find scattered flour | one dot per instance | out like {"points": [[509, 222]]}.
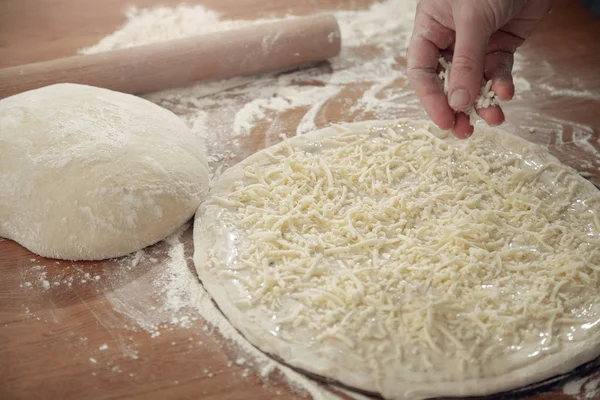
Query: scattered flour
{"points": [[569, 92], [583, 388], [521, 84], [46, 278], [591, 388], [224, 112], [373, 25], [240, 361], [181, 299], [366, 81]]}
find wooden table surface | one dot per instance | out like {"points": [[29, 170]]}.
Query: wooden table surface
{"points": [[51, 339]]}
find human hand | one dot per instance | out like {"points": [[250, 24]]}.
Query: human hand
{"points": [[480, 37]]}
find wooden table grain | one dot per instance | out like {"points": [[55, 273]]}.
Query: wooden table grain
{"points": [[68, 341]]}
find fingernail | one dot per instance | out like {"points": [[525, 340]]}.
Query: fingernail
{"points": [[460, 99], [463, 135]]}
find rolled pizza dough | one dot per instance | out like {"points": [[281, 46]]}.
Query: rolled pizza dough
{"points": [[87, 173], [392, 258]]}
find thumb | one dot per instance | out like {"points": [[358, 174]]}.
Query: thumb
{"points": [[468, 61]]}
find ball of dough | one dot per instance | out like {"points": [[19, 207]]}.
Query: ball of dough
{"points": [[88, 173]]}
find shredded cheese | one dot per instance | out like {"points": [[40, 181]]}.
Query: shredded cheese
{"points": [[416, 246], [487, 97]]}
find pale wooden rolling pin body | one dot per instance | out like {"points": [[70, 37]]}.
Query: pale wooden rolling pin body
{"points": [[149, 68]]}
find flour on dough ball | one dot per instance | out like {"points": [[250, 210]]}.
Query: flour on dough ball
{"points": [[88, 173]]}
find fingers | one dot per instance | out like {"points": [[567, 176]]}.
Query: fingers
{"points": [[498, 68], [422, 74], [468, 59], [466, 30], [499, 62], [494, 115], [423, 53], [462, 127], [475, 54]]}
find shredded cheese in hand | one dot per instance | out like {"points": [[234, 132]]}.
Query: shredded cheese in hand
{"points": [[487, 97], [423, 250]]}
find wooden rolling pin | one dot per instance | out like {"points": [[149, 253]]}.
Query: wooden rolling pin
{"points": [[143, 69]]}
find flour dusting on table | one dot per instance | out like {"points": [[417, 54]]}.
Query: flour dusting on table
{"points": [[367, 81], [180, 300], [583, 388], [374, 41]]}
